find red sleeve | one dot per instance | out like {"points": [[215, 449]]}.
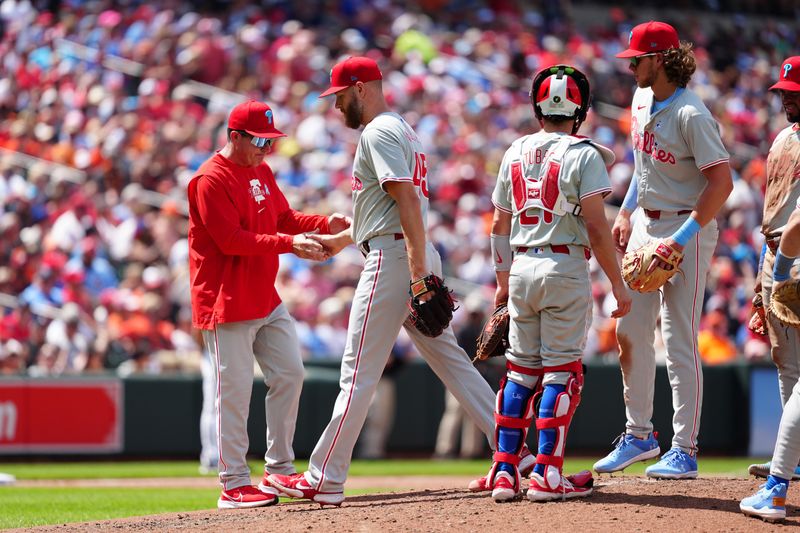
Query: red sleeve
{"points": [[219, 215], [294, 222]]}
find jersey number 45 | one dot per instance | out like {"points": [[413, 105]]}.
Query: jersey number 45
{"points": [[421, 173]]}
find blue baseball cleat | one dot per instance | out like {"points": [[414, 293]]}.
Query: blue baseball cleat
{"points": [[627, 450], [675, 464], [767, 504], [762, 470]]}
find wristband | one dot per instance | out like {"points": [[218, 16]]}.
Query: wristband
{"points": [[501, 252], [632, 196], [761, 258], [686, 232], [782, 268]]}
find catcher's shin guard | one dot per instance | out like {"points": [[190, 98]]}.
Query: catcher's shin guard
{"points": [[554, 420], [513, 416]]}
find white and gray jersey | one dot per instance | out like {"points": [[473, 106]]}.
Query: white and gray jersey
{"points": [[389, 150], [783, 181], [671, 148], [583, 174]]}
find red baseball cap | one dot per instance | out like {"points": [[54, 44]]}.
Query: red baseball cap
{"points": [[346, 73], [789, 77], [254, 118], [651, 37]]}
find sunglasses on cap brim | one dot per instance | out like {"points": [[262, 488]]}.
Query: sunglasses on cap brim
{"points": [[635, 59]]}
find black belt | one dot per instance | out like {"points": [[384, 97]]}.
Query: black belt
{"points": [[655, 214], [364, 246]]}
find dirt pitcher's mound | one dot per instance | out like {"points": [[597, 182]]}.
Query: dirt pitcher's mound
{"points": [[618, 504]]}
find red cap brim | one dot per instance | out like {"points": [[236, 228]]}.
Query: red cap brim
{"points": [[332, 90], [631, 53], [274, 134], [786, 85]]}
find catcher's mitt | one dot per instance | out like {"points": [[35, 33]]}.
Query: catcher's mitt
{"points": [[493, 340], [758, 319], [431, 317], [641, 269], [785, 302]]}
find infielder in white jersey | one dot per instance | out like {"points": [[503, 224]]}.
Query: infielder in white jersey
{"points": [[548, 211], [680, 181], [390, 197], [783, 225], [781, 195]]}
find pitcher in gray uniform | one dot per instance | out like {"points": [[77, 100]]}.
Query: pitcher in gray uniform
{"points": [[781, 195], [680, 181], [548, 211], [390, 197]]}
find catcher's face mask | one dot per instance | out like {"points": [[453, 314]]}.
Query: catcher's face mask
{"points": [[561, 91]]}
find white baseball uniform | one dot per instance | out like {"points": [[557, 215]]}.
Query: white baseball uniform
{"points": [[549, 290], [782, 194], [388, 150], [671, 149]]}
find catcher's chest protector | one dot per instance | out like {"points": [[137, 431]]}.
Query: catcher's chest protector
{"points": [[543, 191]]}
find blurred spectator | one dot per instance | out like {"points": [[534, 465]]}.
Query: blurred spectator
{"points": [[713, 342], [125, 144]]}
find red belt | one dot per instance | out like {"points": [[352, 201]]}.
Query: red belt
{"points": [[773, 243], [557, 249], [655, 214], [364, 246]]}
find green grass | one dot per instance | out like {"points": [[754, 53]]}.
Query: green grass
{"points": [[731, 466], [28, 506], [35, 506]]}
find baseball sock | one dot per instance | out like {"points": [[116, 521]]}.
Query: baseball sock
{"points": [[514, 398], [775, 480], [547, 437]]}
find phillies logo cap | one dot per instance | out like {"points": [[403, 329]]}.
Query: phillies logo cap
{"points": [[651, 37], [353, 69], [255, 118], [789, 76]]}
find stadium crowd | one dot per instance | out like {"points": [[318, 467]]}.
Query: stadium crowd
{"points": [[107, 111]]}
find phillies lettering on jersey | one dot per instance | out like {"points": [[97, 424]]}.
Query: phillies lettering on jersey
{"points": [[646, 142], [672, 148]]}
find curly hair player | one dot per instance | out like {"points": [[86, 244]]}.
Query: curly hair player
{"points": [[680, 181]]}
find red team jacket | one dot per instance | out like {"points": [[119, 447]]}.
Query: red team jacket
{"points": [[239, 221]]}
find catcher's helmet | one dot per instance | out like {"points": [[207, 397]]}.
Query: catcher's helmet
{"points": [[561, 91]]}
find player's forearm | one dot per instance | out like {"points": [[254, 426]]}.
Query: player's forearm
{"points": [[414, 232], [714, 196], [603, 248]]}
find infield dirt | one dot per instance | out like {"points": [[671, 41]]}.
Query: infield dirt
{"points": [[442, 504]]}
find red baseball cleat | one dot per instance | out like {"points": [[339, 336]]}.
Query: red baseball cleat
{"points": [[245, 497], [539, 491], [526, 463], [296, 486], [265, 487]]}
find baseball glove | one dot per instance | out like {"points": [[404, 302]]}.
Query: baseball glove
{"points": [[758, 319], [431, 317], [642, 271], [785, 302], [493, 340]]}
